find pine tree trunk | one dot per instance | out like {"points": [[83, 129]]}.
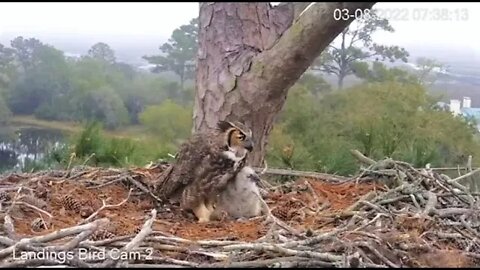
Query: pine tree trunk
{"points": [[341, 77], [250, 54]]}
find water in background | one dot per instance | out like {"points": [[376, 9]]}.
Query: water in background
{"points": [[19, 145]]}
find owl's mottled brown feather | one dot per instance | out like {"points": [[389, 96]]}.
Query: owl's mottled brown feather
{"points": [[202, 170], [191, 157]]}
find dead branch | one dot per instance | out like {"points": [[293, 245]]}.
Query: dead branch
{"points": [[360, 157], [369, 246], [52, 236], [144, 232], [9, 228], [34, 207], [143, 188], [431, 203], [105, 206], [136, 241], [321, 176]]}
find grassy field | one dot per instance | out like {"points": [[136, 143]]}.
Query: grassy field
{"points": [[136, 132]]}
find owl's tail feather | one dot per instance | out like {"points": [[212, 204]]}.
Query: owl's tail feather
{"points": [[164, 185]]}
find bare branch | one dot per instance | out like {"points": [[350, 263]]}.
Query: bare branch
{"points": [[53, 236], [105, 206]]}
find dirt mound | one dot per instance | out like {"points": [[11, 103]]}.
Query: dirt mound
{"points": [[309, 212]]}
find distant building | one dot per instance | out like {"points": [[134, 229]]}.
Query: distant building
{"points": [[464, 108]]}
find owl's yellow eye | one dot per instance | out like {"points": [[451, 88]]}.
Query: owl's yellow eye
{"points": [[241, 137]]}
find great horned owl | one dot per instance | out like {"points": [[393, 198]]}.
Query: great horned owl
{"points": [[241, 198], [204, 165]]}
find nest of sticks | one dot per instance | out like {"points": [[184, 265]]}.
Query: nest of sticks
{"points": [[389, 215]]}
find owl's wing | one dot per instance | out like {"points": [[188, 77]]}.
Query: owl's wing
{"points": [[182, 172]]}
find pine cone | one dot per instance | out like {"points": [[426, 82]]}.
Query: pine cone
{"points": [[38, 225], [69, 203], [4, 196], [101, 235]]}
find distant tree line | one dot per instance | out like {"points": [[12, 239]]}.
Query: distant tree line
{"points": [[388, 114], [38, 79]]}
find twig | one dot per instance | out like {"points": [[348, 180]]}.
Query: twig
{"points": [[285, 251], [447, 212], [367, 197], [9, 228], [360, 157], [143, 188], [89, 157], [472, 173], [291, 261], [107, 183], [105, 206], [378, 254], [53, 236], [35, 208], [317, 175], [270, 216], [144, 232], [77, 239], [315, 196], [431, 203]]}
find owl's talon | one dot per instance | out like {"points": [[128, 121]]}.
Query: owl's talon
{"points": [[203, 220], [202, 213]]}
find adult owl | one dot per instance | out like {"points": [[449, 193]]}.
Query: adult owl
{"points": [[204, 166]]}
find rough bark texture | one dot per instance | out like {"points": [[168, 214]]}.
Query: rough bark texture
{"points": [[250, 54]]}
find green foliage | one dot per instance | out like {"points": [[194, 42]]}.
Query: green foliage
{"points": [[6, 67], [26, 51], [426, 66], [43, 82], [104, 105], [355, 45], [378, 72], [101, 51], [170, 121], [36, 78], [93, 147], [180, 52], [383, 119], [5, 112]]}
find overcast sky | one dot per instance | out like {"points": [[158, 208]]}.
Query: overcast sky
{"points": [[158, 20]]}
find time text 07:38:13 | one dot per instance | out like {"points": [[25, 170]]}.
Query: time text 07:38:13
{"points": [[403, 14]]}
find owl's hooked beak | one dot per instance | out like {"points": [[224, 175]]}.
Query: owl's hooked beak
{"points": [[248, 144]]}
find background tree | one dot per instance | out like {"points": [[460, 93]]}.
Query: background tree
{"points": [[6, 66], [44, 81], [26, 51], [428, 69], [379, 72], [355, 45], [179, 52], [103, 52], [5, 112], [250, 54]]}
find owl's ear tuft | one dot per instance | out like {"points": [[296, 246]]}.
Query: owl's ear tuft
{"points": [[224, 125]]}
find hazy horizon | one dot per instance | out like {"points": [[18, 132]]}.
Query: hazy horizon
{"points": [[140, 28]]}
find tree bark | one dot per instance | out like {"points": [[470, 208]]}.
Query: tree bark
{"points": [[250, 54], [340, 81]]}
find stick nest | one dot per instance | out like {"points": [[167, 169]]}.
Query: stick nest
{"points": [[391, 215]]}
